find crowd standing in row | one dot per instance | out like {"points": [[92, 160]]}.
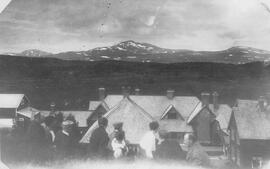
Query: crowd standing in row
{"points": [[57, 138], [154, 145]]}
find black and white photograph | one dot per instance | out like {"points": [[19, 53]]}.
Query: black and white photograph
{"points": [[134, 84]]}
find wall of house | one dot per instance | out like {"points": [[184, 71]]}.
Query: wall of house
{"points": [[23, 121], [253, 148], [7, 112], [99, 112], [178, 136], [201, 126], [134, 124], [234, 146]]}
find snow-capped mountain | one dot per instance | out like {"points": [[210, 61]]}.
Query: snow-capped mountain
{"points": [[34, 53], [144, 52], [139, 48], [30, 53]]}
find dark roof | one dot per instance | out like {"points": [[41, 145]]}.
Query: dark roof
{"points": [[251, 122]]}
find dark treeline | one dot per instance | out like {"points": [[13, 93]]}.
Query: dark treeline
{"points": [[47, 79]]}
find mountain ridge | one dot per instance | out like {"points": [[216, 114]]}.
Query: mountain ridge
{"points": [[144, 52]]}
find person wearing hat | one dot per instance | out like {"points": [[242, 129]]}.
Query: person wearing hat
{"points": [[169, 149], [98, 145], [63, 141]]}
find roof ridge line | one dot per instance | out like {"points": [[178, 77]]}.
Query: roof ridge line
{"points": [[145, 112], [188, 119], [96, 122]]}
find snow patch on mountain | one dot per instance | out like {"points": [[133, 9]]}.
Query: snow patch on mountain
{"points": [[105, 57]]}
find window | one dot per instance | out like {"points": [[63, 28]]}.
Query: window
{"points": [[176, 135], [172, 115], [256, 162]]}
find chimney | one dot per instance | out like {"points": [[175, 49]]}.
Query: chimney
{"points": [[137, 91], [262, 103], [52, 106], [170, 94], [268, 98], [215, 100], [125, 91], [205, 98], [101, 93]]}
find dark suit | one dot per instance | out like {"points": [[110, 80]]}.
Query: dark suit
{"points": [[169, 150], [64, 145], [98, 146], [36, 141]]}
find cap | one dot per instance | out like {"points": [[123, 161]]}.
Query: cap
{"points": [[67, 123]]}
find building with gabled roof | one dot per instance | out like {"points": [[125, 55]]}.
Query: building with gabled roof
{"points": [[154, 105], [80, 116], [172, 112], [175, 114], [210, 121], [11, 103], [169, 110], [249, 129], [136, 120]]}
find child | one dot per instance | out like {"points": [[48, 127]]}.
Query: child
{"points": [[119, 145]]}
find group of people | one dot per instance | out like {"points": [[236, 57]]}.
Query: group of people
{"points": [[154, 145], [52, 137], [56, 137], [161, 147], [104, 146], [43, 139]]}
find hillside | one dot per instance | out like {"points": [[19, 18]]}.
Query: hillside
{"points": [[132, 51], [47, 79]]}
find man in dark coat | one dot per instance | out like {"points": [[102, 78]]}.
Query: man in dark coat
{"points": [[50, 137], [35, 139], [64, 143], [98, 145], [169, 149]]}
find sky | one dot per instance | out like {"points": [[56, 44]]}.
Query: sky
{"points": [[75, 25]]}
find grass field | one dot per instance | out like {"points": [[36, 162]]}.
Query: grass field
{"points": [[113, 165]]}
